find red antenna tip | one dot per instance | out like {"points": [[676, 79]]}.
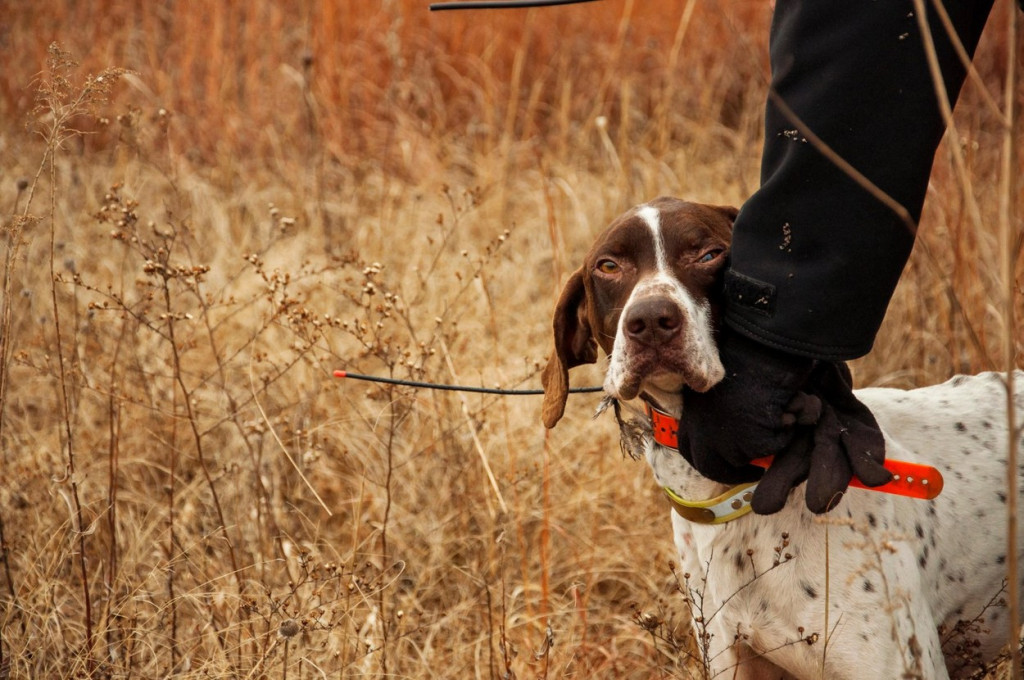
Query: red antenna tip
{"points": [[340, 374]]}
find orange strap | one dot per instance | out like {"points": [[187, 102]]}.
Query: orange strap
{"points": [[908, 479]]}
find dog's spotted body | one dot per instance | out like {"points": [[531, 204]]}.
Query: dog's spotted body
{"points": [[882, 587]]}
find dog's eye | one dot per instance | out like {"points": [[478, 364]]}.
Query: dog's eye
{"points": [[709, 256], [607, 266]]}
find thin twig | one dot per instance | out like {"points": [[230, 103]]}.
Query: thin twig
{"points": [[824, 149], [284, 449], [946, 108], [65, 402], [472, 431], [1007, 192]]}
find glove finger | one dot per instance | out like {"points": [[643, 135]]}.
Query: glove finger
{"points": [[830, 471], [802, 409], [860, 434], [865, 449], [787, 470]]}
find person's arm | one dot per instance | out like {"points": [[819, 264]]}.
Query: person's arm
{"points": [[817, 251], [815, 255]]}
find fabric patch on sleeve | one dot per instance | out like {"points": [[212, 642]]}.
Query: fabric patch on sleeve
{"points": [[743, 291]]}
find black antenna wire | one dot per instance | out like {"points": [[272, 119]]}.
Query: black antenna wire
{"points": [[452, 388], [501, 4]]}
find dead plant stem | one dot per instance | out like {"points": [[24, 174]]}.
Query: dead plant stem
{"points": [[15, 234], [172, 603], [388, 499], [192, 418], [512, 107], [113, 462], [828, 592], [946, 108], [65, 405], [545, 530], [473, 433], [1007, 221], [284, 449]]}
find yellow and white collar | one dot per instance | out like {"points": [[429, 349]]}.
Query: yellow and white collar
{"points": [[731, 505]]}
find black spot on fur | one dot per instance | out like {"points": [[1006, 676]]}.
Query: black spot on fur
{"points": [[809, 589], [919, 529], [960, 427], [872, 520], [1001, 559], [869, 587]]}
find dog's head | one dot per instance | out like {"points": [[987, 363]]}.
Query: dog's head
{"points": [[646, 295]]}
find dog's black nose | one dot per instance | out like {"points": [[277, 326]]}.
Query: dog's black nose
{"points": [[654, 321]]}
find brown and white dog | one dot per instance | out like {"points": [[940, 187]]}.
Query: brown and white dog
{"points": [[884, 586]]}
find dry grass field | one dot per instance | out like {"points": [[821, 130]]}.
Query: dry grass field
{"points": [[208, 208]]}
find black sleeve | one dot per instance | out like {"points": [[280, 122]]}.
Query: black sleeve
{"points": [[816, 256]]}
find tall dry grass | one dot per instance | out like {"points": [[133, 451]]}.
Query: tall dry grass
{"points": [[277, 190]]}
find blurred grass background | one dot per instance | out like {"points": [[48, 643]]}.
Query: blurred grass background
{"points": [[278, 190]]}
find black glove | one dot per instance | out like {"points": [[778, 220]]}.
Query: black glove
{"points": [[846, 441], [748, 414], [800, 410]]}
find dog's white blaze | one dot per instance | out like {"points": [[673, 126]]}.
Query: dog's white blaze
{"points": [[652, 218], [697, 312]]}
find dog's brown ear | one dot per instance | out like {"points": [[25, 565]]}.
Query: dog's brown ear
{"points": [[727, 210], [574, 345]]}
